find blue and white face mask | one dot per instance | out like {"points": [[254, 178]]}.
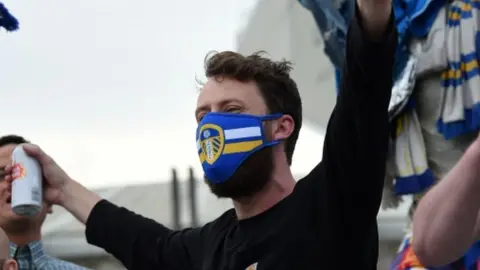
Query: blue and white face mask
{"points": [[226, 140]]}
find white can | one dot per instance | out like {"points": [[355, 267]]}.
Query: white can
{"points": [[27, 184]]}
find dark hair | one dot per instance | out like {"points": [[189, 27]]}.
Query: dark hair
{"points": [[12, 139], [273, 79]]}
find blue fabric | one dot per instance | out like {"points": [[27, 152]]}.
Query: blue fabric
{"points": [[463, 71], [338, 77], [7, 20], [33, 257], [477, 44], [413, 18], [414, 183], [333, 24], [472, 256], [470, 123], [226, 140]]}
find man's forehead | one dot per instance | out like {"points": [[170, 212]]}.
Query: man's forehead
{"points": [[215, 92]]}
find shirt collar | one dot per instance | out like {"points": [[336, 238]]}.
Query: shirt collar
{"points": [[34, 251]]}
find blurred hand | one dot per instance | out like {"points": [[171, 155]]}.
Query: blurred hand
{"points": [[55, 178], [375, 16]]}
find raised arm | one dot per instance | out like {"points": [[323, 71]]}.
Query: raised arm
{"points": [[348, 183], [356, 142], [136, 241], [446, 221]]}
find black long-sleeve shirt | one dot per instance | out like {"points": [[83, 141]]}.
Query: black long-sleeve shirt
{"points": [[329, 220]]}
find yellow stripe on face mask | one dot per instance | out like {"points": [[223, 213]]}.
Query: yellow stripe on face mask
{"points": [[233, 148], [240, 147]]}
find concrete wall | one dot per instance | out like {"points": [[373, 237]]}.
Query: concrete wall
{"points": [[284, 29]]}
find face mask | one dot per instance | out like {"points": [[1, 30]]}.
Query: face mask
{"points": [[225, 140]]}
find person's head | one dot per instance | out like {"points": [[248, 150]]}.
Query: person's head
{"points": [[5, 260], [13, 224], [239, 154]]}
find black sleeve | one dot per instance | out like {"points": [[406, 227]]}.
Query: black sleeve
{"points": [[142, 243], [356, 141]]}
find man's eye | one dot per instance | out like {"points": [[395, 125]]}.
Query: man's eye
{"points": [[233, 110]]}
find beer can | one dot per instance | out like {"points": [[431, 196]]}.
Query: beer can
{"points": [[27, 184]]}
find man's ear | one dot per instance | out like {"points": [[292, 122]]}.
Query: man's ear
{"points": [[283, 127], [10, 264]]}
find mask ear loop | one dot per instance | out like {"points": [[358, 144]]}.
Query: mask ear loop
{"points": [[269, 117]]}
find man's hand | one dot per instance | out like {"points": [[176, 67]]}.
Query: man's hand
{"points": [[58, 187], [55, 178], [375, 15]]}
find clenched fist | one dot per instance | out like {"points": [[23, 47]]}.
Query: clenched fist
{"points": [[55, 178], [375, 15], [58, 187]]}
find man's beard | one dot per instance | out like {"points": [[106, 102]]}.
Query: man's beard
{"points": [[251, 177]]}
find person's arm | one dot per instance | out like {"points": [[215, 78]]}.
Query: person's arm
{"points": [[446, 220], [142, 243], [348, 183], [356, 141], [136, 241], [78, 200]]}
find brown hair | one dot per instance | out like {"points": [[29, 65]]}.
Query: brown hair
{"points": [[279, 91]]}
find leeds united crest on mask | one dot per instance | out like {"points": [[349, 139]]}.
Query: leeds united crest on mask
{"points": [[212, 141]]}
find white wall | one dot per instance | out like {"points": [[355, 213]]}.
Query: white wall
{"points": [[284, 29]]}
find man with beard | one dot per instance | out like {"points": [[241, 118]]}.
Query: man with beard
{"points": [[249, 116], [24, 232]]}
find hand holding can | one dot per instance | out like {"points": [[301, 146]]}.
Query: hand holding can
{"points": [[53, 177], [27, 184]]}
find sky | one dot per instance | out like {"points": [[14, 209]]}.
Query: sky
{"points": [[108, 87]]}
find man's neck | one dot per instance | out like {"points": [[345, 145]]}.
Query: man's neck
{"points": [[275, 191], [25, 238]]}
